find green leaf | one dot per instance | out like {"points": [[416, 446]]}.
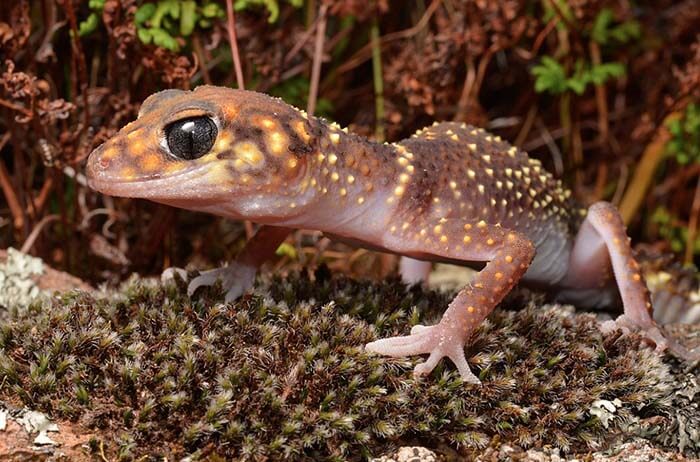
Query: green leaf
{"points": [[89, 25], [601, 73], [188, 17], [144, 13], [549, 76], [286, 250], [599, 33], [162, 39], [144, 35], [212, 10], [97, 5]]}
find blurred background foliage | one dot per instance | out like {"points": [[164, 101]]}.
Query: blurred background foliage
{"points": [[604, 92]]}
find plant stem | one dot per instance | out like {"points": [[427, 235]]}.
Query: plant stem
{"points": [[378, 80], [318, 58], [643, 174], [693, 226], [231, 27]]}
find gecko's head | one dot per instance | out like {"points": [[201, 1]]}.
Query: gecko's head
{"points": [[207, 149]]}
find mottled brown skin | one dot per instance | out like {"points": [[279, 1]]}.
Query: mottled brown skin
{"points": [[450, 193]]}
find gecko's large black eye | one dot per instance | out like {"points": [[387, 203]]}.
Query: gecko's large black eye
{"points": [[191, 138]]}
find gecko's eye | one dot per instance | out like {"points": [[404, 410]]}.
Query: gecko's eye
{"points": [[191, 138]]}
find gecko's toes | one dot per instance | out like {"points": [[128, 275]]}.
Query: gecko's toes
{"points": [[168, 275], [662, 340], [235, 279], [436, 341]]}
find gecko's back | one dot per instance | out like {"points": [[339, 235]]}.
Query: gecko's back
{"points": [[464, 172]]}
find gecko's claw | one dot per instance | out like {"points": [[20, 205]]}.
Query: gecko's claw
{"points": [[236, 279], [437, 341], [653, 332]]}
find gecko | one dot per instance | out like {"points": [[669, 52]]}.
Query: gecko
{"points": [[450, 193]]}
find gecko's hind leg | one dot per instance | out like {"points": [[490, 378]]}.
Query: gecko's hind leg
{"points": [[602, 242], [414, 271]]}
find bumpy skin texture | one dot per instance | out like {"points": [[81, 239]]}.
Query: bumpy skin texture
{"points": [[451, 192]]}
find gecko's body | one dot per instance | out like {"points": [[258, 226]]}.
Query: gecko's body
{"points": [[450, 193]]}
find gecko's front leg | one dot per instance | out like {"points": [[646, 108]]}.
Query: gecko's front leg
{"points": [[238, 276], [508, 255]]}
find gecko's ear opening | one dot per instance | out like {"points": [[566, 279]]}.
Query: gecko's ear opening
{"points": [[191, 138]]}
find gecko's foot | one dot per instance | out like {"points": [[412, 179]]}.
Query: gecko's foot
{"points": [[653, 332], [437, 341], [168, 275], [235, 279]]}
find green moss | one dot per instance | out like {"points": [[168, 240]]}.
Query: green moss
{"points": [[283, 374]]}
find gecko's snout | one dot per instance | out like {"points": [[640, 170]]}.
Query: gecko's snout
{"points": [[96, 166]]}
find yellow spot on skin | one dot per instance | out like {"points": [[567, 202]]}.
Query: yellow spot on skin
{"points": [[364, 169], [343, 191], [292, 163], [489, 171], [150, 163], [267, 123], [481, 188], [455, 137], [498, 275], [390, 200], [410, 168], [403, 161], [335, 176], [360, 200], [109, 153], [332, 159], [335, 138], [467, 239], [437, 229], [509, 259], [636, 277], [300, 130], [481, 224], [471, 309], [532, 192], [248, 155], [423, 232], [453, 184], [128, 173], [518, 194], [486, 157], [276, 142], [405, 225], [499, 184], [472, 146], [399, 190], [351, 179], [471, 173], [443, 238], [512, 151], [467, 227], [320, 157], [490, 241], [392, 229], [403, 178]]}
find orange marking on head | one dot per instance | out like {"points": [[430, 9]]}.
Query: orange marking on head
{"points": [[128, 173], [150, 163]]}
